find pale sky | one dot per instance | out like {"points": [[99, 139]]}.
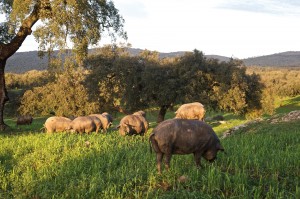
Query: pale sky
{"points": [[233, 28]]}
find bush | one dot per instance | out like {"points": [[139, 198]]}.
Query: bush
{"points": [[66, 96], [27, 80]]}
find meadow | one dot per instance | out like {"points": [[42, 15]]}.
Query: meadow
{"points": [[261, 161]]}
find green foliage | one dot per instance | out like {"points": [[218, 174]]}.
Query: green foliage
{"points": [[4, 38], [116, 81], [17, 84], [160, 83], [267, 101], [145, 81], [114, 78], [195, 80], [80, 22], [65, 96], [219, 85], [233, 89], [27, 80]]}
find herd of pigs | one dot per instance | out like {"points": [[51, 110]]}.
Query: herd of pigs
{"points": [[185, 134]]}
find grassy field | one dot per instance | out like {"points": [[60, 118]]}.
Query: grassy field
{"points": [[262, 161]]}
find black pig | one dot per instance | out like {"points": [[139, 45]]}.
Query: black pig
{"points": [[182, 136]]}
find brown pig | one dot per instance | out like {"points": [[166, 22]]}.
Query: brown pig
{"points": [[83, 124], [133, 125], [194, 111], [57, 124], [142, 117], [97, 122], [182, 136], [24, 119], [106, 120]]}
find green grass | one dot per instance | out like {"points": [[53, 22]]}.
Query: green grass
{"points": [[286, 105], [261, 161]]}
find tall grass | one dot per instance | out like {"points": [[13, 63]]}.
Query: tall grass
{"points": [[261, 161]]}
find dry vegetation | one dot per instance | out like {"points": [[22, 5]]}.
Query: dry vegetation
{"points": [[279, 81]]}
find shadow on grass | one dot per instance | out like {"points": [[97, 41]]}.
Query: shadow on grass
{"points": [[85, 171]]}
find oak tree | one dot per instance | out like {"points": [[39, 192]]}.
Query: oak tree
{"points": [[80, 22]]}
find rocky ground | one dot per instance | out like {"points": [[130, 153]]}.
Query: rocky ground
{"points": [[292, 116]]}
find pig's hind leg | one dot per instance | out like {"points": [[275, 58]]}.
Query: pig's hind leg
{"points": [[167, 160], [159, 157], [197, 157]]}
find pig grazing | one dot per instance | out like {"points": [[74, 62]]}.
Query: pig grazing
{"points": [[57, 124], [106, 120], [194, 111], [109, 117], [24, 119], [142, 113], [97, 122], [133, 125], [142, 117], [182, 136], [83, 124]]}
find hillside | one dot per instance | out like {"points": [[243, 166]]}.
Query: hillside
{"points": [[287, 59], [25, 61]]}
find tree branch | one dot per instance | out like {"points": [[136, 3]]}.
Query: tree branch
{"points": [[9, 49]]}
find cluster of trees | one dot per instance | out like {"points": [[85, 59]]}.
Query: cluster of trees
{"points": [[112, 80], [115, 81]]}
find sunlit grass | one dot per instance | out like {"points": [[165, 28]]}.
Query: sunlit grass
{"points": [[287, 104], [261, 161]]}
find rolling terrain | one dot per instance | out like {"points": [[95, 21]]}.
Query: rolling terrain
{"points": [[25, 61]]}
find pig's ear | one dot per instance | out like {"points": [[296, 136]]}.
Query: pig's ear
{"points": [[220, 147]]}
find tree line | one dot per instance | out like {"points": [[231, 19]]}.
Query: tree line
{"points": [[113, 80]]}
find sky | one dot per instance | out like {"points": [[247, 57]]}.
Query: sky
{"points": [[232, 28]]}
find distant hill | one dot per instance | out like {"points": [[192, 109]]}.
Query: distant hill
{"points": [[26, 61], [286, 59], [136, 51]]}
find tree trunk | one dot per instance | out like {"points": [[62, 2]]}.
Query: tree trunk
{"points": [[162, 112], [7, 50], [3, 94]]}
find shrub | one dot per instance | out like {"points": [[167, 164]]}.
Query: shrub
{"points": [[27, 80], [66, 96]]}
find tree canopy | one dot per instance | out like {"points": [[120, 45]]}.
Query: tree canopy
{"points": [[144, 81], [81, 23], [78, 23]]}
